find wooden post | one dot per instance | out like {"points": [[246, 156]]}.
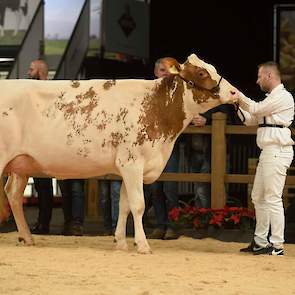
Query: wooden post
{"points": [[92, 199], [218, 161]]}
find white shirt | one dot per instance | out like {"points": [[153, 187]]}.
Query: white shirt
{"points": [[277, 108]]}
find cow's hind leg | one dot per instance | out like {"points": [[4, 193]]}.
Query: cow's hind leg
{"points": [[120, 234], [4, 206], [133, 180], [14, 189]]}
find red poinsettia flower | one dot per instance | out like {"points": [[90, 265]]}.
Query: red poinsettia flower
{"points": [[196, 222], [217, 219], [204, 210], [202, 217], [174, 214], [235, 218]]}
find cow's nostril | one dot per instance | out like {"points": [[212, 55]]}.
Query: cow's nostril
{"points": [[233, 92]]}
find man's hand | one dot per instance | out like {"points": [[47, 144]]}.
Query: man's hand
{"points": [[243, 101], [199, 121], [236, 97]]}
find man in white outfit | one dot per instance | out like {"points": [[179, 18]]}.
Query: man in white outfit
{"points": [[273, 116]]}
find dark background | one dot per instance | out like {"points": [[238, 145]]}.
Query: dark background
{"points": [[235, 36]]}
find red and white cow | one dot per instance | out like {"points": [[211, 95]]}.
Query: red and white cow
{"points": [[81, 129]]}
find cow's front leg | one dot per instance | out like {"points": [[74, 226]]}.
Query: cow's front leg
{"points": [[120, 234], [14, 189], [133, 178]]}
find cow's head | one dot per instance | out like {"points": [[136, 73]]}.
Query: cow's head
{"points": [[204, 81], [169, 104]]}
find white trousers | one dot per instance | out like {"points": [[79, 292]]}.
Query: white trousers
{"points": [[267, 193]]}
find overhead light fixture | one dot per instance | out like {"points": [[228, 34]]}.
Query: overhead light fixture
{"points": [[5, 59]]}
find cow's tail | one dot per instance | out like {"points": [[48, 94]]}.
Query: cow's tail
{"points": [[4, 205]]}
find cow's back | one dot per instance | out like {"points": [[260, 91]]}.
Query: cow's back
{"points": [[61, 123]]}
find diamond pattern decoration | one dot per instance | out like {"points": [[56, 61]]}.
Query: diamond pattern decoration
{"points": [[126, 22]]}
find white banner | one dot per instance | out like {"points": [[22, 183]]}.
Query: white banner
{"points": [[15, 17], [125, 27], [32, 46]]}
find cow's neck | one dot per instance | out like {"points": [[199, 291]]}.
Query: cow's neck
{"points": [[163, 115], [197, 101]]}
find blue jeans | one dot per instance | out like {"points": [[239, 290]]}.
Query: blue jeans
{"points": [[44, 189], [109, 200], [164, 195], [73, 194], [201, 164]]}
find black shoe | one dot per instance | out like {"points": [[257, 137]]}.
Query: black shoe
{"points": [[249, 248], [77, 229], [40, 229], [158, 234], [276, 252], [73, 229], [258, 250], [171, 235]]}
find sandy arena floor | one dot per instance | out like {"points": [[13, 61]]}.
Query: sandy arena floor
{"points": [[89, 265]]}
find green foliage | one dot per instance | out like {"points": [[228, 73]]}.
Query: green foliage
{"points": [[55, 47], [9, 39]]}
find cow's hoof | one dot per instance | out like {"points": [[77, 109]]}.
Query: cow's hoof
{"points": [[26, 242], [144, 250], [121, 245]]}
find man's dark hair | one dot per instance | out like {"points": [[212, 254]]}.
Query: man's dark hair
{"points": [[271, 65]]}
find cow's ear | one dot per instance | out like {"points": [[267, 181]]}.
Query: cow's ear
{"points": [[194, 60], [173, 70]]}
